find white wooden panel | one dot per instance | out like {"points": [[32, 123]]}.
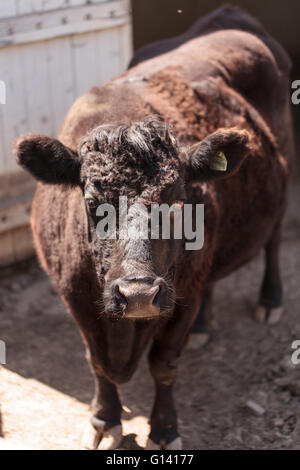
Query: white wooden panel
{"points": [[29, 6], [125, 45], [76, 3], [34, 6], [14, 112], [84, 61], [15, 215], [98, 53], [48, 5], [8, 8], [51, 24], [109, 53], [61, 78], [2, 140], [34, 69], [85, 2]]}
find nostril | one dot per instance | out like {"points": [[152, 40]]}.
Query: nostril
{"points": [[157, 297], [121, 297]]}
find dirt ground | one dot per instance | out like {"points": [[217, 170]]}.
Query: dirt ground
{"points": [[46, 385]]}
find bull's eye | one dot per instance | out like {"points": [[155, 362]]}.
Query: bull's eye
{"points": [[91, 203]]}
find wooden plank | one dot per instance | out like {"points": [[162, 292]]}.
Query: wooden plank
{"points": [[31, 6], [36, 92], [22, 242], [84, 2], [15, 213], [61, 78], [84, 59], [2, 140], [8, 8], [14, 113], [75, 3], [25, 7], [14, 185], [125, 45], [2, 92], [16, 245], [95, 1], [110, 55], [51, 24], [101, 54]]}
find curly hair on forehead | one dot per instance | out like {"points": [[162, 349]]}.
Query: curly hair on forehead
{"points": [[136, 160], [142, 138]]}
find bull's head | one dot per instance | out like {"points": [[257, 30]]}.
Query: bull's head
{"points": [[142, 163]]}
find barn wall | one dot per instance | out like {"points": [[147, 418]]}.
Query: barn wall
{"points": [[51, 51], [158, 19]]}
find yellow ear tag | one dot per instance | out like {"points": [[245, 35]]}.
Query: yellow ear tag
{"points": [[219, 162]]}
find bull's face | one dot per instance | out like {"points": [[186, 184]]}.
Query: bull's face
{"points": [[124, 172]]}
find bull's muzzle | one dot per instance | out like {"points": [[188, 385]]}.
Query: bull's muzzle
{"points": [[140, 298]]}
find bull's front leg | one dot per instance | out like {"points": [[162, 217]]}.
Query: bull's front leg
{"points": [[104, 430], [163, 360]]}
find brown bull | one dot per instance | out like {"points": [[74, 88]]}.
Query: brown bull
{"points": [[228, 145]]}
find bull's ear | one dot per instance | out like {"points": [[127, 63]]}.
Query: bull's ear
{"points": [[47, 159], [217, 156]]}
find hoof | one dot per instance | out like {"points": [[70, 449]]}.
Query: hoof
{"points": [[111, 438], [174, 445], [271, 316], [92, 436], [275, 315], [197, 341], [260, 314], [151, 445], [96, 438], [125, 410]]}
